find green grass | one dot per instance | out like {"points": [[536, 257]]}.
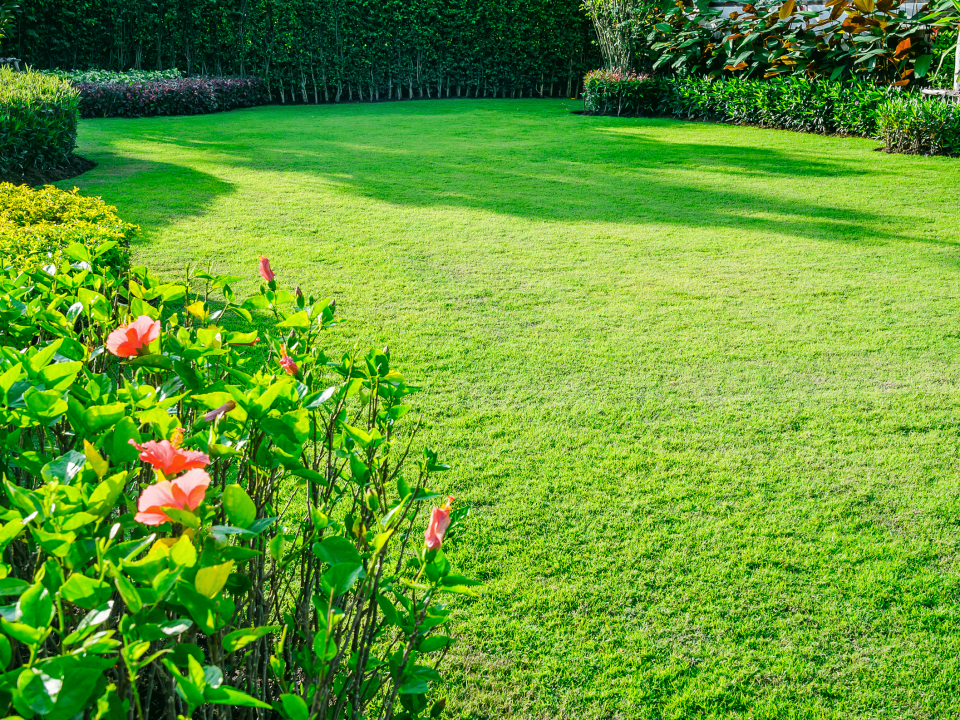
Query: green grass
{"points": [[699, 382]]}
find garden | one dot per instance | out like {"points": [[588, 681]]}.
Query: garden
{"points": [[432, 361]]}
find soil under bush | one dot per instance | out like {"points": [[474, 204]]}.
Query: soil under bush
{"points": [[77, 166]]}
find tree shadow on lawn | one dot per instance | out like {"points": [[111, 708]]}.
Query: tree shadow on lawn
{"points": [[163, 193], [614, 173]]}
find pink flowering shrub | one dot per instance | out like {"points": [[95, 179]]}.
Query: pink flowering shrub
{"points": [[202, 507], [184, 96]]}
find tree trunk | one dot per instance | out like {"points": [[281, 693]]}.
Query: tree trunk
{"points": [[956, 65]]}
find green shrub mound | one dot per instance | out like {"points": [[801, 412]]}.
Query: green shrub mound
{"points": [[38, 121], [907, 122], [927, 126], [36, 226]]}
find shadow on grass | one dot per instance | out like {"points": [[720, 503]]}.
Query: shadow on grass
{"points": [[162, 192], [548, 168]]}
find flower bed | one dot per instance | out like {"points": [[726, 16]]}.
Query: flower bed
{"points": [[186, 96], [194, 503]]}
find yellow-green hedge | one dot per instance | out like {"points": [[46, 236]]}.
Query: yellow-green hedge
{"points": [[37, 224]]}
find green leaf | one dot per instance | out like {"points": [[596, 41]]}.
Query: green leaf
{"points": [[36, 606], [294, 708], [225, 695], [128, 593], [6, 652], [297, 320], [104, 496], [184, 517], [183, 553], [239, 639], [921, 65], [203, 612], [336, 550], [65, 467], [239, 507], [210, 580], [85, 592], [340, 578], [44, 404], [38, 690], [59, 376], [100, 417]]}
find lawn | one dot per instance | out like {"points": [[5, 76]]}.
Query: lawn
{"points": [[698, 382]]}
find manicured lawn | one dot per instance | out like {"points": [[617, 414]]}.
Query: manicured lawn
{"points": [[699, 382]]}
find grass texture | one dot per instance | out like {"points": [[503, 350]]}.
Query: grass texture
{"points": [[699, 382]]}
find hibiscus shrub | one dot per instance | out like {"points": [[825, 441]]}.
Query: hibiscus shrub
{"points": [[199, 513]]}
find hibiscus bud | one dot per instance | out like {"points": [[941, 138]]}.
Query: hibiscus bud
{"points": [[439, 522], [265, 271], [217, 412], [287, 363]]}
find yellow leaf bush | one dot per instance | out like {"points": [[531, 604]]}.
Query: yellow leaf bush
{"points": [[36, 225]]}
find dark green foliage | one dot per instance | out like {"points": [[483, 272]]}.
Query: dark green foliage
{"points": [[38, 121], [792, 103], [323, 50], [928, 126]]}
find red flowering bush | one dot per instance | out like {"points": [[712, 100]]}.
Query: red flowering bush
{"points": [[199, 513], [186, 96]]}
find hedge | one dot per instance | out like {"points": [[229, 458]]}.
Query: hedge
{"points": [[37, 225], [904, 120], [38, 121], [791, 103], [323, 50], [187, 96]]}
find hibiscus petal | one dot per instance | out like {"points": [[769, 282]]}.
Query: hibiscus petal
{"points": [[193, 484], [157, 495], [151, 516]]}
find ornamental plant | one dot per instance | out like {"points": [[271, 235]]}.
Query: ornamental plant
{"points": [[38, 121], [186, 522]]}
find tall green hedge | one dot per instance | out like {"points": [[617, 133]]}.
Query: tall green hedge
{"points": [[38, 121], [323, 50]]}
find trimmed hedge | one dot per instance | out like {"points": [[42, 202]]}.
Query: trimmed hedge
{"points": [[187, 96], [907, 122], [927, 126], [791, 103], [37, 225], [38, 121]]}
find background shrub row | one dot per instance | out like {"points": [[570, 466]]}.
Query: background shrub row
{"points": [[906, 121], [38, 121], [187, 96], [322, 50]]}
